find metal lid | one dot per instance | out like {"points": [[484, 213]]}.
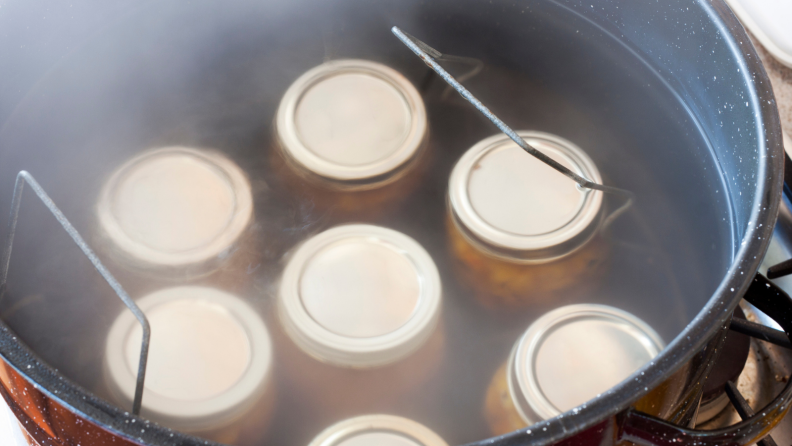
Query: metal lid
{"points": [[351, 120], [574, 353], [380, 430], [210, 356], [513, 205], [360, 296], [175, 206]]}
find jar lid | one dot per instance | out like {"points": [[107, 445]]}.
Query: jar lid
{"points": [[360, 296], [209, 358], [380, 430], [574, 353], [513, 205], [349, 120], [175, 206]]}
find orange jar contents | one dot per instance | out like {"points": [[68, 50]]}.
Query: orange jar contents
{"points": [[209, 364], [351, 134], [178, 213], [379, 430], [565, 358], [361, 306], [519, 230]]}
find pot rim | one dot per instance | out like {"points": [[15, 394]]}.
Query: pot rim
{"points": [[700, 330]]}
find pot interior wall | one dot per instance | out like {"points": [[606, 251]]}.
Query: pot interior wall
{"points": [[210, 74]]}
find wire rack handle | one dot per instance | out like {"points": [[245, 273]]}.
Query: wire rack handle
{"points": [[430, 56], [25, 177]]}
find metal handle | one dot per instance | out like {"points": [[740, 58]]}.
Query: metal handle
{"points": [[430, 56], [24, 177], [643, 429]]}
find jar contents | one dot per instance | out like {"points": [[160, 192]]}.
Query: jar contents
{"points": [[519, 230], [177, 213], [381, 430], [361, 307], [209, 364], [544, 377], [351, 134]]}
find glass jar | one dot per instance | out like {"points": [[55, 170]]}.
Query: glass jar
{"points": [[378, 430], [351, 135], [209, 364], [361, 306], [179, 213], [566, 358], [519, 230]]}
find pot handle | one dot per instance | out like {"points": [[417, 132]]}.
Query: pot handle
{"points": [[647, 430]]}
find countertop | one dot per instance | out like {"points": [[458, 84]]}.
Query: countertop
{"points": [[781, 78]]}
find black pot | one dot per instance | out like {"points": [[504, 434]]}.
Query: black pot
{"points": [[670, 97]]}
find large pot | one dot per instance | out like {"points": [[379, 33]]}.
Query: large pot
{"points": [[670, 97]]}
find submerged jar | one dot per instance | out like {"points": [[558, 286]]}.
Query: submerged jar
{"points": [[178, 213], [381, 430], [361, 306], [351, 134], [519, 230], [566, 358], [209, 364]]}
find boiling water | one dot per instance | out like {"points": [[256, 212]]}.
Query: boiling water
{"points": [[212, 75]]}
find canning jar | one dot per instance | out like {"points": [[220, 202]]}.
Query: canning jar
{"points": [[209, 364], [361, 307], [351, 135], [381, 430], [519, 230], [565, 358], [178, 213]]}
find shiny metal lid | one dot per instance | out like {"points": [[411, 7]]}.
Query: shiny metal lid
{"points": [[574, 353], [512, 205], [360, 296], [210, 356], [378, 430], [175, 206], [351, 120]]}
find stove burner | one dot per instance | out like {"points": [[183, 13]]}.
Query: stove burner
{"points": [[727, 368], [761, 376]]}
